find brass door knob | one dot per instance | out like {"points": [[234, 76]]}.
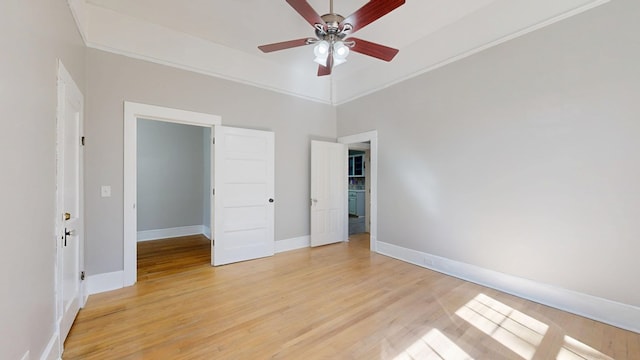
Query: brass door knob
{"points": [[67, 216]]}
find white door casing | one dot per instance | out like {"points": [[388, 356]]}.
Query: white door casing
{"points": [[69, 220], [329, 172], [244, 195], [133, 112]]}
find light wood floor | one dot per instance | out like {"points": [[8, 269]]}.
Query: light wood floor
{"points": [[334, 302]]}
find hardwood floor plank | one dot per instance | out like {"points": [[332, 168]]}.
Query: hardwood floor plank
{"points": [[334, 302]]}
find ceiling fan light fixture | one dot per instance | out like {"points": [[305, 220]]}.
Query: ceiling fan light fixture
{"points": [[320, 60], [338, 61], [340, 53], [321, 49]]}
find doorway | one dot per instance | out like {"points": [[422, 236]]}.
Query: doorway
{"points": [[242, 210], [173, 182], [367, 143], [133, 112], [359, 185]]}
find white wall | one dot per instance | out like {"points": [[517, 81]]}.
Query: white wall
{"points": [[112, 79], [171, 173], [521, 159], [33, 36]]}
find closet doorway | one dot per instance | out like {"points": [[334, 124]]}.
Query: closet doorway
{"points": [[133, 112], [241, 191]]}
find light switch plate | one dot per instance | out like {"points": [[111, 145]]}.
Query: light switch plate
{"points": [[105, 191]]}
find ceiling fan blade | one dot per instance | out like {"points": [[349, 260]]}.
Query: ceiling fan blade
{"points": [[323, 70], [307, 12], [370, 12], [372, 49], [284, 45]]}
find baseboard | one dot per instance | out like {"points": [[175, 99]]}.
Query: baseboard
{"points": [[105, 282], [156, 234], [373, 243], [292, 244], [607, 311], [85, 293], [206, 231], [52, 351]]}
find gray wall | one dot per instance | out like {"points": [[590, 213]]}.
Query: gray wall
{"points": [[112, 79], [171, 174], [523, 158], [33, 36]]}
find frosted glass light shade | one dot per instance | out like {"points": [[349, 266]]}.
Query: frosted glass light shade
{"points": [[321, 51]]}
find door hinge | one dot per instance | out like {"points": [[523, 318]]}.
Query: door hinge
{"points": [[213, 140], [81, 275], [213, 242], [213, 191], [82, 140]]}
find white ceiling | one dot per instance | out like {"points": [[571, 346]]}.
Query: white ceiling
{"points": [[220, 37]]}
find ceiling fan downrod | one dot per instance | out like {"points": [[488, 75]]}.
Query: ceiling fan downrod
{"points": [[334, 29]]}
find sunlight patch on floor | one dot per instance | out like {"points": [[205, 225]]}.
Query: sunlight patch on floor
{"points": [[434, 345], [517, 331], [574, 349]]}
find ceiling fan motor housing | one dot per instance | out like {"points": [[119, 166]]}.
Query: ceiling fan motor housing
{"points": [[333, 29]]}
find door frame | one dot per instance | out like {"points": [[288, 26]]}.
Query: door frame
{"points": [[132, 112], [372, 137]]}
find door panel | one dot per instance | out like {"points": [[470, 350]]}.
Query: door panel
{"points": [[244, 185], [69, 218], [328, 192]]}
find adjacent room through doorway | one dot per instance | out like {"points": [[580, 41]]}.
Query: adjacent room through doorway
{"points": [[359, 183], [173, 182]]}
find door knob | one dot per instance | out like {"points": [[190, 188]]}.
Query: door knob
{"points": [[66, 234], [271, 200], [67, 216]]}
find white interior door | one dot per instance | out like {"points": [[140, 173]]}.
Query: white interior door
{"points": [[328, 192], [69, 217], [244, 195]]}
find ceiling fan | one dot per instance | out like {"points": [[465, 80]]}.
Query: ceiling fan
{"points": [[333, 31]]}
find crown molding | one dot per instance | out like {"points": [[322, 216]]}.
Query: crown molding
{"points": [[455, 43], [111, 31], [121, 34]]}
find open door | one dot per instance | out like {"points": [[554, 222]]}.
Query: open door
{"points": [[243, 195], [328, 192], [69, 204]]}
